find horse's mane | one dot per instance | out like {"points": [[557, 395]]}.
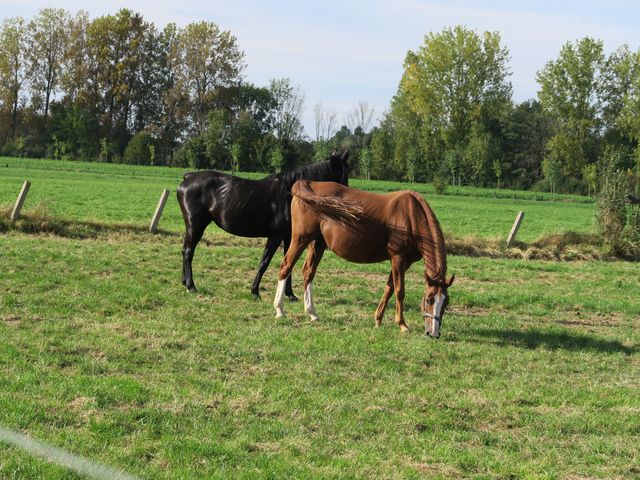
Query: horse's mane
{"points": [[317, 170], [439, 248]]}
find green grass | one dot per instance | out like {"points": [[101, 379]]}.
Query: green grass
{"points": [[103, 353], [128, 194], [535, 376]]}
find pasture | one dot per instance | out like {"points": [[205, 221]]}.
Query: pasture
{"points": [[103, 353]]}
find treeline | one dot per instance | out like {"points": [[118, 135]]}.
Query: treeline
{"points": [[118, 89], [453, 120]]}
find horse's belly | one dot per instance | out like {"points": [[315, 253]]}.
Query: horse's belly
{"points": [[355, 246]]}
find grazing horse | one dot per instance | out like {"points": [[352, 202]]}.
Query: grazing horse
{"points": [[365, 227], [248, 208]]}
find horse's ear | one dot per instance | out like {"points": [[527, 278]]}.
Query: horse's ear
{"points": [[453, 277], [430, 280], [345, 156]]}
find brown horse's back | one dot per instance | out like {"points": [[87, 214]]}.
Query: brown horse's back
{"points": [[382, 226]]}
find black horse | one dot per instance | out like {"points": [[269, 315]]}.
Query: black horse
{"points": [[248, 208]]}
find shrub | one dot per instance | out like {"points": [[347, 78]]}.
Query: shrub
{"points": [[441, 179], [139, 150], [193, 154], [612, 209]]}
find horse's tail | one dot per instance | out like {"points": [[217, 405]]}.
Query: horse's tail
{"points": [[329, 206], [437, 243]]}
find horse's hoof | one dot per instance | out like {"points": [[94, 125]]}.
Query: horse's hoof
{"points": [[255, 295], [404, 328], [279, 313], [192, 289], [292, 298]]}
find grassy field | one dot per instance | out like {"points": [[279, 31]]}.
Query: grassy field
{"points": [[123, 193], [104, 354]]}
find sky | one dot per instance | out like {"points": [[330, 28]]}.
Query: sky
{"points": [[342, 52]]}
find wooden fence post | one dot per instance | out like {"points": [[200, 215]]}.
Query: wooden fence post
{"points": [[20, 201], [515, 228], [159, 209]]}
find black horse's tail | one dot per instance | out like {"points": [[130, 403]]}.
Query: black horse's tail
{"points": [[329, 206]]}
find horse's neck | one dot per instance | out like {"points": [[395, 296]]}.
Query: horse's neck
{"points": [[433, 247]]}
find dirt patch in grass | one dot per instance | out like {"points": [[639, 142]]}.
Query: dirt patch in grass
{"points": [[11, 319], [434, 469]]}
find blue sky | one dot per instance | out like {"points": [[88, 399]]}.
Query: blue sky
{"points": [[340, 53]]}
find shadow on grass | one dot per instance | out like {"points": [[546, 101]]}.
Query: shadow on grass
{"points": [[40, 222], [532, 339]]}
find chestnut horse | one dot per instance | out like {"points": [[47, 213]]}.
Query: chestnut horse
{"points": [[365, 227]]}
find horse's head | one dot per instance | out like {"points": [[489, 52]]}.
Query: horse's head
{"points": [[340, 167], [434, 304]]}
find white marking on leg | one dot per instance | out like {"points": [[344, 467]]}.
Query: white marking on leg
{"points": [[278, 301], [308, 302]]}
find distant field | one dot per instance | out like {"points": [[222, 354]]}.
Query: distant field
{"points": [[128, 194]]}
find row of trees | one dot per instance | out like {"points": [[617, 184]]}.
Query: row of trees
{"points": [[115, 88], [453, 119], [118, 89]]}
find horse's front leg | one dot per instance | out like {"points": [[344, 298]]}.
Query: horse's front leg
{"points": [[388, 290], [398, 268], [269, 249], [194, 231]]}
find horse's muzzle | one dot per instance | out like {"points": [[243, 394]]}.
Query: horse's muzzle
{"points": [[431, 325]]}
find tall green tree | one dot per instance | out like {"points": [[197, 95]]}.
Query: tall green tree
{"points": [[13, 68], [47, 48], [453, 83], [571, 91], [208, 58]]}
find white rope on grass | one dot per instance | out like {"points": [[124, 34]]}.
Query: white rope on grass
{"points": [[61, 457]]}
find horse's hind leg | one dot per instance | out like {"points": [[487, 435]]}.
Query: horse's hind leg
{"points": [[288, 289], [269, 249], [314, 255], [388, 290], [286, 267], [195, 229]]}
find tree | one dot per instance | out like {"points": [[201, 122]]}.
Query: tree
{"points": [[325, 122], [361, 116], [365, 162], [287, 125], [13, 67], [235, 152], [456, 81], [139, 150], [551, 168], [208, 58], [571, 91], [528, 128], [288, 111], [382, 149], [276, 159], [590, 174], [47, 48]]}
